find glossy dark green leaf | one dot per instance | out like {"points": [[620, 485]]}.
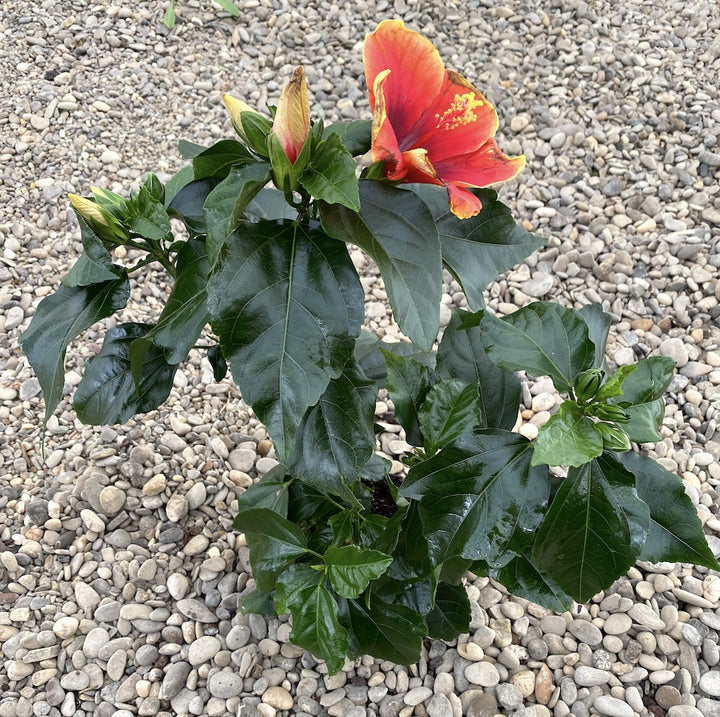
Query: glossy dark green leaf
{"points": [[343, 526], [453, 570], [95, 264], [462, 355], [379, 532], [109, 393], [644, 389], [396, 228], [287, 305], [351, 568], [218, 362], [478, 249], [355, 135], [569, 438], [408, 383], [190, 150], [218, 160], [386, 631], [258, 602], [411, 559], [542, 339], [676, 533], [275, 543], [335, 438], [317, 628], [598, 323], [180, 179], [270, 492], [294, 586], [270, 204], [330, 175], [594, 530], [417, 595], [58, 319], [480, 498], [185, 314], [450, 616], [523, 578], [309, 504], [451, 408], [223, 209], [187, 204], [369, 355]]}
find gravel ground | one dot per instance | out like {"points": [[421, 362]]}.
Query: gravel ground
{"points": [[119, 569]]}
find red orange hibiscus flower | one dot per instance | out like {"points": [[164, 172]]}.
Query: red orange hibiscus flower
{"points": [[430, 125]]}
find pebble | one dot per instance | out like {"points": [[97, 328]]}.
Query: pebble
{"points": [[482, 673], [278, 697], [612, 706]]}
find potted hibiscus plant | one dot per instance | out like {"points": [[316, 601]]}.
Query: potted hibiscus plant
{"points": [[365, 560]]}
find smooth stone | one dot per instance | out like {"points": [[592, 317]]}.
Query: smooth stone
{"points": [[224, 684], [196, 610], [112, 500], [585, 632], [590, 676], [278, 697], [178, 585], [484, 674], [509, 696], [710, 683], [174, 680], [617, 624], [203, 649], [612, 707], [438, 706], [417, 695]]}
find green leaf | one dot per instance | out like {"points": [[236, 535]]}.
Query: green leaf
{"points": [[58, 319], [270, 204], [169, 16], [146, 215], [462, 355], [644, 390], [369, 355], [478, 249], [295, 585], [274, 544], [335, 438], [286, 303], [411, 560], [408, 383], [450, 615], [270, 492], [480, 497], [594, 530], [217, 361], [396, 228], [317, 628], [569, 438], [95, 265], [386, 631], [523, 578], [351, 568], [378, 532], [218, 160], [109, 393], [185, 314], [229, 7], [676, 533], [343, 526], [187, 204], [613, 386], [223, 209], [190, 150], [542, 339], [355, 135], [180, 179], [258, 602], [330, 175], [451, 408], [598, 323]]}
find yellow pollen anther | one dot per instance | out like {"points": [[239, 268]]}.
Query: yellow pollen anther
{"points": [[461, 112]]}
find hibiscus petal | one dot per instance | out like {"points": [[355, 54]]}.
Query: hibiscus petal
{"points": [[488, 165], [384, 142], [459, 121], [292, 119], [419, 169], [416, 75], [463, 204]]}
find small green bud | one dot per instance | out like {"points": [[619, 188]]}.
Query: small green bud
{"points": [[614, 438], [587, 383], [610, 412]]}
